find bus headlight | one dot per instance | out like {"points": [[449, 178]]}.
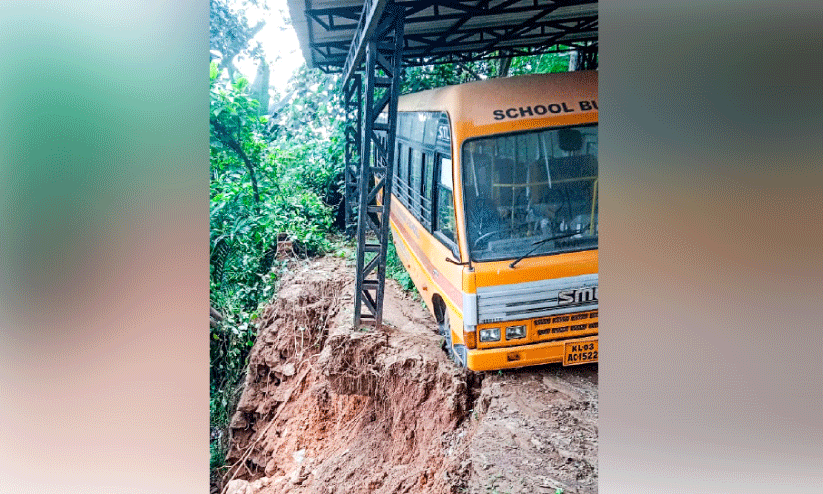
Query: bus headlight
{"points": [[516, 332], [491, 334]]}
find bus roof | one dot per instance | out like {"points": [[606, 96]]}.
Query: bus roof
{"points": [[508, 99]]}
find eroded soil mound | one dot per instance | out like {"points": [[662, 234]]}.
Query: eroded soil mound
{"points": [[330, 409], [536, 432]]}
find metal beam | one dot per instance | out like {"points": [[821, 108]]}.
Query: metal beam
{"points": [[413, 58], [353, 105], [369, 19], [443, 31], [382, 75], [334, 19]]}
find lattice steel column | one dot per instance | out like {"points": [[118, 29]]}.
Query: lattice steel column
{"points": [[585, 58], [384, 52], [588, 58], [353, 104]]}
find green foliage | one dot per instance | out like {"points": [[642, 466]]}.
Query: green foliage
{"points": [[217, 455], [265, 183], [311, 128], [396, 270], [230, 33], [433, 76], [270, 179], [540, 64]]}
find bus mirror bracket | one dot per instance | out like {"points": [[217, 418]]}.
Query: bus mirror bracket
{"points": [[452, 261]]}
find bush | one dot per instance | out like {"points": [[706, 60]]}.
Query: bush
{"points": [[269, 179]]}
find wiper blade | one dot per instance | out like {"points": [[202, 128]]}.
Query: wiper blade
{"points": [[541, 242]]}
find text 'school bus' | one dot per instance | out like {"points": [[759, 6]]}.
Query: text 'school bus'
{"points": [[495, 216]]}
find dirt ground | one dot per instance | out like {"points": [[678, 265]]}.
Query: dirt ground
{"points": [[328, 409]]}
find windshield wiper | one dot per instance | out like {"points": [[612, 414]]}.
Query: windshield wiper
{"points": [[541, 242]]}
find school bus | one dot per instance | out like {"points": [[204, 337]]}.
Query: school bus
{"points": [[495, 213]]}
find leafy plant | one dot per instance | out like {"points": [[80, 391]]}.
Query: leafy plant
{"points": [[396, 270], [271, 179]]}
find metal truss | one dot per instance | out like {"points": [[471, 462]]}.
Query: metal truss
{"points": [[455, 57], [353, 105], [587, 58], [464, 40], [383, 51], [369, 20]]}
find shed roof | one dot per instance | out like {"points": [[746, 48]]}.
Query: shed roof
{"points": [[449, 31]]}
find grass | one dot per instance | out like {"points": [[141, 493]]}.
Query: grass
{"points": [[396, 270]]}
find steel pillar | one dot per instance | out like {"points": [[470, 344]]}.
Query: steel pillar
{"points": [[353, 105], [588, 59], [585, 58], [383, 54]]}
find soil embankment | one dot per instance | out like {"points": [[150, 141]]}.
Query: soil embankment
{"points": [[330, 410]]}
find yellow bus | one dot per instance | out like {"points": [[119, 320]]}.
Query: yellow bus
{"points": [[494, 215]]}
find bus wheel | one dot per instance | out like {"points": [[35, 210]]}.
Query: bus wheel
{"points": [[456, 353]]}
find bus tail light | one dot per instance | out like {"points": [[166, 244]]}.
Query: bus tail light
{"points": [[470, 336]]}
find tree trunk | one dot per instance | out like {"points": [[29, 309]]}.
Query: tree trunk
{"points": [[235, 146], [505, 63], [250, 167]]}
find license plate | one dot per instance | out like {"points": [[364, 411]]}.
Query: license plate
{"points": [[580, 352]]}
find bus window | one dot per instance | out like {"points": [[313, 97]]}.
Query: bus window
{"points": [[418, 122], [442, 141], [416, 180], [528, 187], [430, 134], [445, 204], [404, 125], [402, 178], [426, 192], [482, 201]]}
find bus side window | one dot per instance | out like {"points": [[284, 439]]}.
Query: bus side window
{"points": [[428, 172], [404, 125], [403, 173], [415, 181], [430, 132], [445, 203]]}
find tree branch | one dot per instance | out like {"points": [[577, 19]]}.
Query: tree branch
{"points": [[226, 138], [469, 71]]}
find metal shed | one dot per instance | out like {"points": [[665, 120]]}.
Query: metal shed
{"points": [[371, 41]]}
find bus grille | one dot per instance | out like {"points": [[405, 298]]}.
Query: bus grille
{"points": [[536, 299]]}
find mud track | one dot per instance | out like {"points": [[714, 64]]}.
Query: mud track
{"points": [[329, 409]]}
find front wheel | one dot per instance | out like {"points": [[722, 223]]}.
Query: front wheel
{"points": [[455, 352]]}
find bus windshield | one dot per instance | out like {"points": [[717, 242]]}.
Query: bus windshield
{"points": [[531, 193]]}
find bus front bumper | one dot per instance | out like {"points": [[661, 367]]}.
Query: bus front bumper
{"points": [[534, 354]]}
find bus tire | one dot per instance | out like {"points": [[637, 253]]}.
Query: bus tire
{"points": [[460, 355], [456, 353]]}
